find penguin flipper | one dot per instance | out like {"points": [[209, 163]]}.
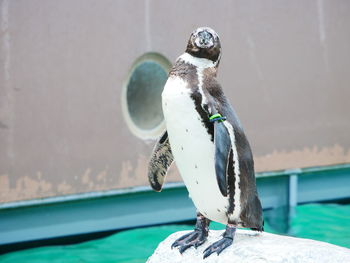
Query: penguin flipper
{"points": [[160, 162], [222, 143]]}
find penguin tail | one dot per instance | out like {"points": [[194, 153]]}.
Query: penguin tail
{"points": [[260, 228]]}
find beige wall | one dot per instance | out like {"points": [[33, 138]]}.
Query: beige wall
{"points": [[285, 67]]}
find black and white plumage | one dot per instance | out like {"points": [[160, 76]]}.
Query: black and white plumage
{"points": [[214, 158], [160, 162]]}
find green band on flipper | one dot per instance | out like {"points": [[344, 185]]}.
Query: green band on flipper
{"points": [[217, 117]]}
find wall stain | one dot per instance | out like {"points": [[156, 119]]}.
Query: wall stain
{"points": [[124, 173], [307, 157], [26, 187], [31, 187], [134, 176], [102, 176], [86, 180], [65, 188]]}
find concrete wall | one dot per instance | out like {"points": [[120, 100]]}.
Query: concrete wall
{"points": [[285, 67]]}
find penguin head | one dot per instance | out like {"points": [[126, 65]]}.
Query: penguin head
{"points": [[204, 42]]}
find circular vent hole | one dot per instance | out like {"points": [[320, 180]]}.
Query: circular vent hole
{"points": [[142, 98]]}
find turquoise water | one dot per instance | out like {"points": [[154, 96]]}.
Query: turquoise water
{"points": [[326, 222]]}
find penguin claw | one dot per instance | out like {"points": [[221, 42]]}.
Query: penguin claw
{"points": [[183, 248], [192, 239], [177, 241], [217, 247]]}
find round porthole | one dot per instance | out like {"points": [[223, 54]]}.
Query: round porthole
{"points": [[142, 102]]}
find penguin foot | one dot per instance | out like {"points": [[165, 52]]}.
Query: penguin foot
{"points": [[196, 237], [192, 239], [217, 247], [223, 243]]}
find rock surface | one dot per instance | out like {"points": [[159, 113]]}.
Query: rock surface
{"points": [[254, 247]]}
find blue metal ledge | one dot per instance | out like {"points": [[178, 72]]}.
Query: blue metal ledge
{"points": [[105, 211]]}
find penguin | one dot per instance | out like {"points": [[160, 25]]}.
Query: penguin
{"points": [[206, 140]]}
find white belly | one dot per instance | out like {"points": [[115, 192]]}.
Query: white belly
{"points": [[193, 150]]}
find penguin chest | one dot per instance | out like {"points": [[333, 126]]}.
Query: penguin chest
{"points": [[193, 150]]}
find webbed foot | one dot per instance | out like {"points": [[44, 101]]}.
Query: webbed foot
{"points": [[194, 238], [223, 243]]}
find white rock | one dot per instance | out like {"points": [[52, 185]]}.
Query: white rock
{"points": [[254, 247]]}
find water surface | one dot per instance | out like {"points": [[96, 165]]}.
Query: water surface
{"points": [[324, 222]]}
